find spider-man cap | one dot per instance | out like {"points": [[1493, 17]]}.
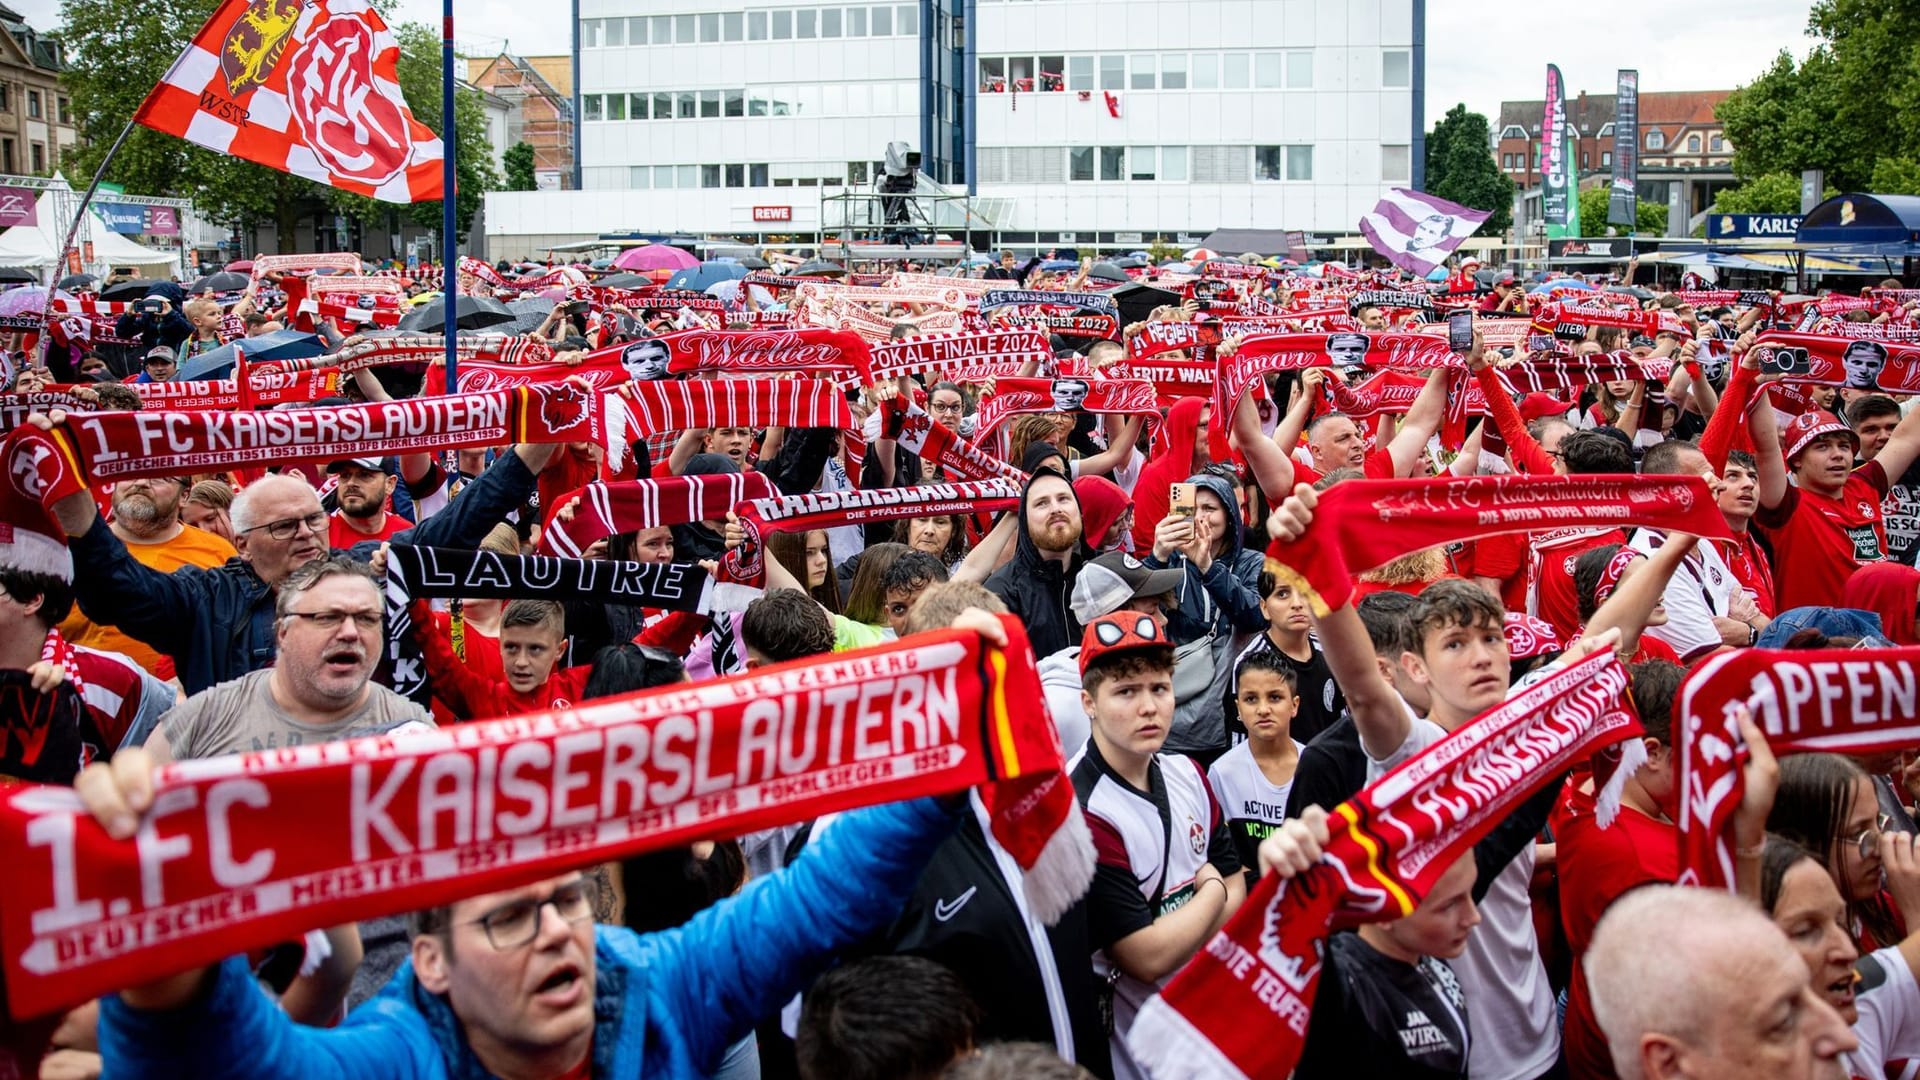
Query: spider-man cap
{"points": [[1122, 631]]}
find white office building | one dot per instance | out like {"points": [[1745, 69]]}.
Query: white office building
{"points": [[1069, 121]]}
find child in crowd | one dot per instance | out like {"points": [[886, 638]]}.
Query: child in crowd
{"points": [[1251, 781], [533, 636]]}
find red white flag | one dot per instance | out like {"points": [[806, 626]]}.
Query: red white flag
{"points": [[1113, 104], [308, 87]]}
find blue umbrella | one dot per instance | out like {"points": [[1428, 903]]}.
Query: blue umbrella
{"points": [[279, 345], [1059, 264], [1560, 283], [699, 278]]}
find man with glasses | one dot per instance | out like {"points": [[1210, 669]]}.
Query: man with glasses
{"points": [[218, 624]]}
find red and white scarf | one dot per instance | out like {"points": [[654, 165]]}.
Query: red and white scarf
{"points": [[625, 506], [126, 445], [941, 353], [1255, 357], [1107, 397], [1574, 320], [265, 846], [1362, 524], [602, 371], [1240, 1007], [831, 509], [1155, 338], [939, 446], [660, 406], [1840, 701], [764, 352], [264, 388], [1897, 363]]}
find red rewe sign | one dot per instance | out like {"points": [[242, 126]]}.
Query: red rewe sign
{"points": [[773, 213]]}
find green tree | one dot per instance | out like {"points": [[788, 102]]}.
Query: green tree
{"points": [[1461, 168], [1773, 193], [519, 162], [1844, 107], [1650, 218], [1896, 176]]}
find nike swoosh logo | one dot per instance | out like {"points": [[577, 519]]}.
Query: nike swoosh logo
{"points": [[944, 910]]}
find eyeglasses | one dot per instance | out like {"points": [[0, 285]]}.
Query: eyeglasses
{"points": [[285, 528], [517, 924], [333, 620], [1867, 840]]}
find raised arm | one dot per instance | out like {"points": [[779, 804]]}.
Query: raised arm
{"points": [[1630, 605], [1523, 450], [985, 557], [1120, 448], [1272, 467], [1901, 448], [1422, 420]]}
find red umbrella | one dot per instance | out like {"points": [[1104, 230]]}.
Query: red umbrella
{"points": [[655, 257], [243, 264]]}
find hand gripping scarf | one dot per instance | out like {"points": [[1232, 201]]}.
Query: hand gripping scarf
{"points": [[1362, 524], [763, 352], [262, 847], [999, 298], [936, 445], [416, 573], [941, 353], [1011, 397], [1258, 355], [125, 445], [1826, 359], [1840, 701], [633, 505], [1240, 1007], [830, 509], [1574, 320], [661, 406]]}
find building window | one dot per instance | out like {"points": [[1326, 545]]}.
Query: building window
{"points": [[736, 176], [733, 26], [687, 176], [710, 26], [756, 26], [687, 106], [1053, 74], [1656, 140], [39, 157], [806, 24], [1693, 144], [709, 176], [1267, 162], [1300, 70], [991, 164], [590, 33], [615, 32], [1396, 71], [1079, 72], [6, 98], [1605, 132], [856, 22], [1080, 163], [830, 22], [662, 29], [1716, 143], [993, 74], [616, 106], [683, 29], [662, 105], [1173, 71], [782, 25], [1173, 163], [882, 21], [640, 177], [757, 175], [33, 104], [6, 156], [734, 102], [1141, 158], [591, 105], [1235, 71], [662, 176], [1283, 162], [1206, 71], [857, 173], [66, 117], [1113, 73], [1113, 163], [1266, 71], [1513, 131], [1606, 159], [709, 104], [1583, 159], [1220, 164], [757, 103], [906, 19], [636, 106], [1396, 163], [1143, 74]]}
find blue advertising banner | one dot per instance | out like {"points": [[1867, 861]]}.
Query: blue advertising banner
{"points": [[1736, 226], [122, 217]]}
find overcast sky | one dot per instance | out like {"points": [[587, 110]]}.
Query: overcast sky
{"points": [[1470, 58]]}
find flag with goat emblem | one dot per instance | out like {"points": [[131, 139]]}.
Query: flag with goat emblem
{"points": [[308, 87]]}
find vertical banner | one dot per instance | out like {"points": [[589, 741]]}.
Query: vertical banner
{"points": [[18, 206], [1559, 203], [1621, 199]]}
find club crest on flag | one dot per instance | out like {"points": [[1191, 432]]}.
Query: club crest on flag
{"points": [[255, 42]]}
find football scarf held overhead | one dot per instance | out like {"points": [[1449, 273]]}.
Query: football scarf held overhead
{"points": [[1239, 1008], [661, 406], [830, 509], [1835, 360], [265, 388], [763, 352], [1258, 355], [624, 506], [937, 445], [416, 573], [1574, 320], [1124, 397], [602, 371], [126, 445], [1362, 524], [1841, 701], [1097, 327], [999, 298], [940, 353], [262, 847]]}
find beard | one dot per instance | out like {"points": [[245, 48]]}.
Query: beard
{"points": [[1057, 536], [140, 511], [361, 506]]}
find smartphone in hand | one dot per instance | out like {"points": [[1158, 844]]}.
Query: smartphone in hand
{"points": [[1460, 331], [1180, 502]]}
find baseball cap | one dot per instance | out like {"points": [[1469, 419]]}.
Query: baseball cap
{"points": [[1122, 631], [1471, 260], [160, 352], [1539, 404], [1112, 579], [388, 465], [1802, 430]]}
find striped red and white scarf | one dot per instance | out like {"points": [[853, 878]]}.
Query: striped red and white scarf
{"points": [[931, 354], [624, 506], [831, 509], [661, 405], [1107, 397]]}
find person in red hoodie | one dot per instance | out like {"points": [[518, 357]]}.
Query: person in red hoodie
{"points": [[532, 636], [1180, 449]]}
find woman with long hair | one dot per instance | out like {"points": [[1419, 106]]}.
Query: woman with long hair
{"points": [[943, 536], [1828, 805], [805, 556], [866, 599]]}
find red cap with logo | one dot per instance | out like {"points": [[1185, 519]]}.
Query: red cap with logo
{"points": [[1802, 430], [1122, 631]]}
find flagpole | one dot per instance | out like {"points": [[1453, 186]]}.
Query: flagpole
{"points": [[73, 229], [449, 277]]}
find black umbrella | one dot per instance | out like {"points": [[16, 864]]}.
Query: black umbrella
{"points": [[820, 268], [1634, 291], [530, 313], [1137, 301], [625, 281], [135, 289], [472, 313], [1128, 262], [1107, 272], [753, 262], [76, 282], [225, 281], [17, 273]]}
